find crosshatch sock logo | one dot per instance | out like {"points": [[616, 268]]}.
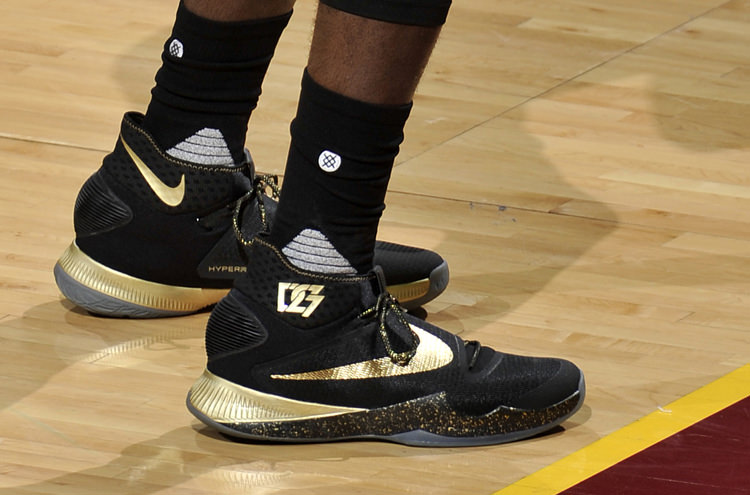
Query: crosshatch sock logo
{"points": [[301, 299]]}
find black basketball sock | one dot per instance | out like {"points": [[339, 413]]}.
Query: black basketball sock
{"points": [[337, 173], [209, 84]]}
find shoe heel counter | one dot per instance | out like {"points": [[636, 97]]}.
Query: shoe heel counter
{"points": [[232, 328], [98, 209]]}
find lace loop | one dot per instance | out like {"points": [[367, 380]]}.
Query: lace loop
{"points": [[386, 304], [475, 354]]}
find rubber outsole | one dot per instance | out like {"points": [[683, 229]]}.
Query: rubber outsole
{"points": [[413, 295], [104, 291], [342, 426], [99, 303]]}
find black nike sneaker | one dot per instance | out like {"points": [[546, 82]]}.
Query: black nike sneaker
{"points": [[157, 236], [305, 357]]}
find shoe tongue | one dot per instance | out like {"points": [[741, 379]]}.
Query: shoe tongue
{"points": [[373, 287], [249, 163], [242, 183], [378, 284]]}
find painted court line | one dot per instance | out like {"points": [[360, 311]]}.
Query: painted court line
{"points": [[636, 437]]}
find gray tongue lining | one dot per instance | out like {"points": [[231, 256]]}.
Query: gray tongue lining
{"points": [[205, 147], [312, 251]]}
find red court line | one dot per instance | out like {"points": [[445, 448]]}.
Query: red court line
{"points": [[710, 457], [662, 424]]}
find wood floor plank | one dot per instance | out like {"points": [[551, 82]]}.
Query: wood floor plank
{"points": [[581, 166]]}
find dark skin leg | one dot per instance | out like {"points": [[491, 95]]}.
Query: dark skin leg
{"points": [[364, 59], [369, 60]]}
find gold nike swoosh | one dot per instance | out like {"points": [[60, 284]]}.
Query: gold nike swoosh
{"points": [[432, 353], [170, 196]]}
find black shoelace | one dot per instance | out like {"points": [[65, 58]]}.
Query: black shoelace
{"points": [[387, 303], [475, 353], [261, 184]]}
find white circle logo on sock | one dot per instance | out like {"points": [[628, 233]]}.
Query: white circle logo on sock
{"points": [[329, 161], [176, 49]]}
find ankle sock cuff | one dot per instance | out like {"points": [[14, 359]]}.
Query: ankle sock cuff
{"points": [[216, 67], [210, 80], [221, 41], [363, 132]]}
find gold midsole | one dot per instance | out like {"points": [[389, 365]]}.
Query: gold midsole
{"points": [[227, 402], [104, 280], [410, 290]]}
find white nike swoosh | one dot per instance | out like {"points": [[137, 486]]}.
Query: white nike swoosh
{"points": [[432, 353], [170, 196]]}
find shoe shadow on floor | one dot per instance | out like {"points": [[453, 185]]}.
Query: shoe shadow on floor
{"points": [[93, 354], [495, 203]]}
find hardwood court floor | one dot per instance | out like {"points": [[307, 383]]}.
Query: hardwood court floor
{"points": [[582, 165]]}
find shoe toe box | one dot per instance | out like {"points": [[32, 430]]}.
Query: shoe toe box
{"points": [[555, 388]]}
